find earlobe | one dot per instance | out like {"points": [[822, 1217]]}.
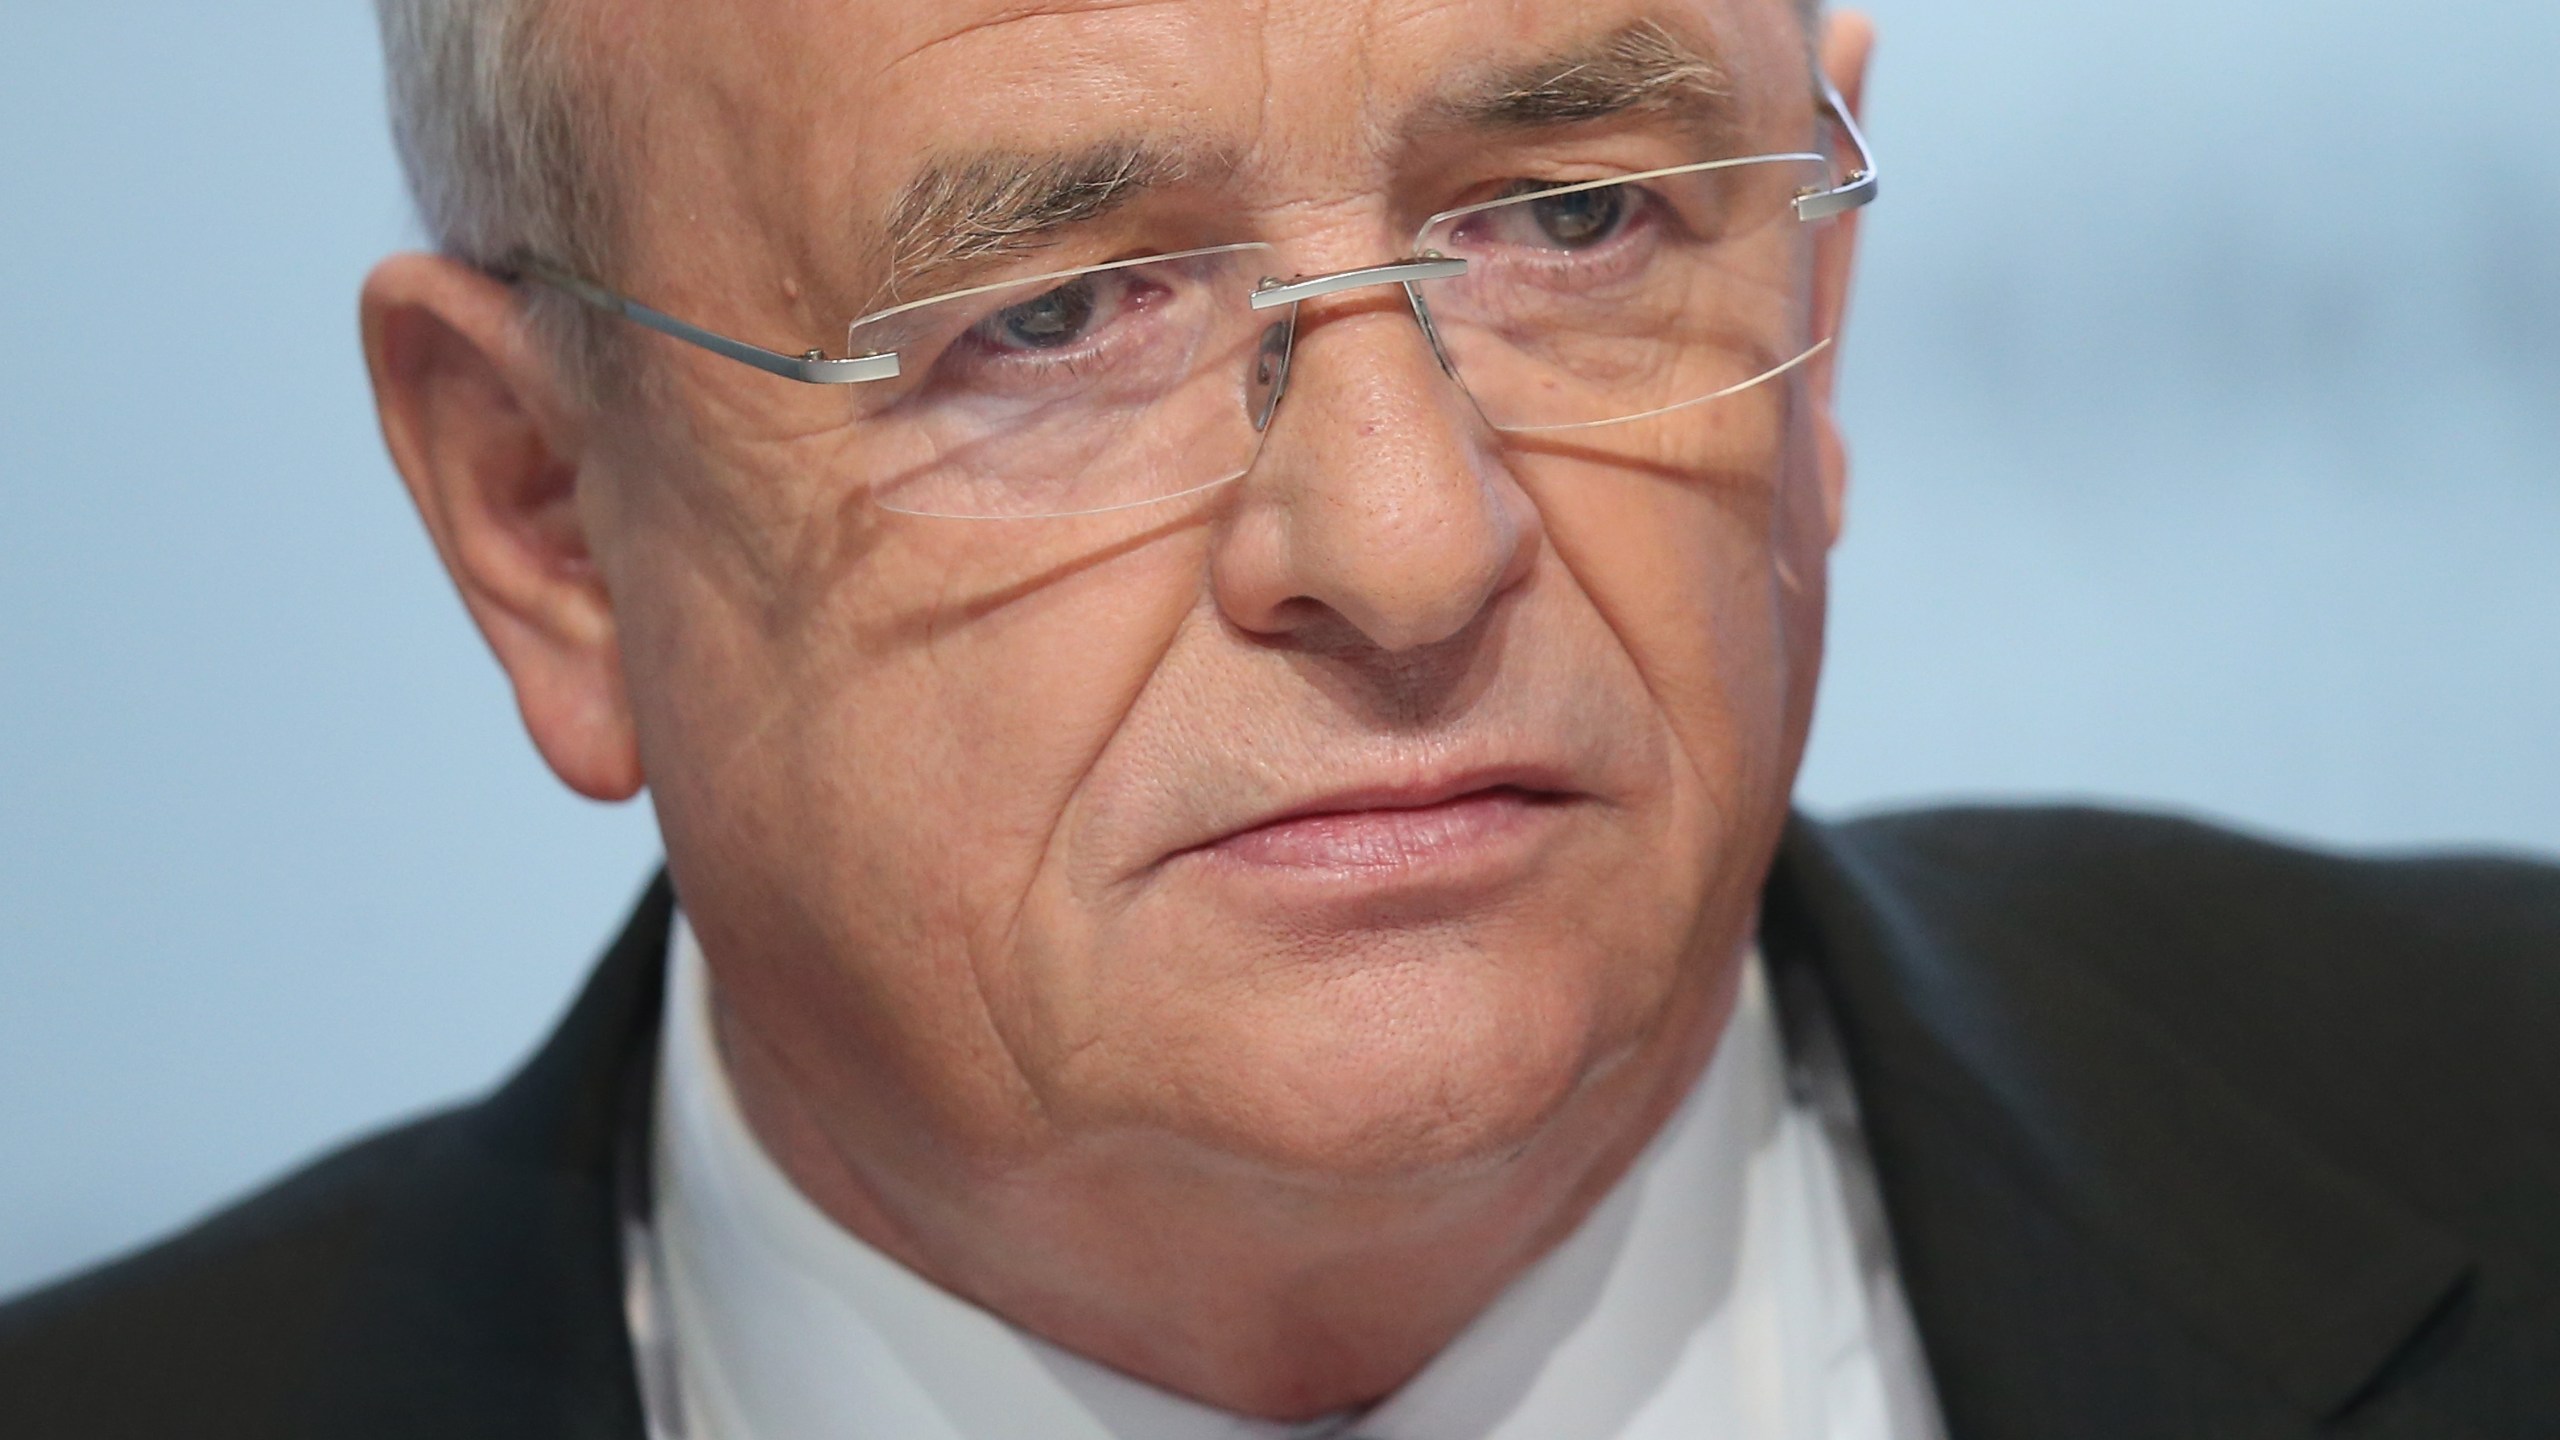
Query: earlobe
{"points": [[492, 449]]}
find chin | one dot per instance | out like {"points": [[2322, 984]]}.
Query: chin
{"points": [[1402, 1068]]}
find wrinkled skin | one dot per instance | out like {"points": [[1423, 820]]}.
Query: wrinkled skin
{"points": [[941, 797]]}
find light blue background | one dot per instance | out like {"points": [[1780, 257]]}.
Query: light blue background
{"points": [[2205, 388]]}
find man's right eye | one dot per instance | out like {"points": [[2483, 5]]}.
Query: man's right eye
{"points": [[1048, 321]]}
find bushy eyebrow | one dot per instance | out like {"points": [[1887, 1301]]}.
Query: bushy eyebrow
{"points": [[1635, 69], [1001, 203]]}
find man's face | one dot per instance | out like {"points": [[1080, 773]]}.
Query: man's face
{"points": [[1346, 820]]}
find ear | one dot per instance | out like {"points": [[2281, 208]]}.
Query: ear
{"points": [[490, 443], [1848, 39]]}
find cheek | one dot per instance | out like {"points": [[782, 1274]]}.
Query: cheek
{"points": [[884, 751], [966, 714], [995, 669], [1684, 540]]}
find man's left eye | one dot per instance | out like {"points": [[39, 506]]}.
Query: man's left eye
{"points": [[1580, 217]]}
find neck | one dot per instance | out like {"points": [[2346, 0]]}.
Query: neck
{"points": [[1280, 1296]]}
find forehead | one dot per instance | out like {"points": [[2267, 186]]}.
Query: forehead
{"points": [[859, 93]]}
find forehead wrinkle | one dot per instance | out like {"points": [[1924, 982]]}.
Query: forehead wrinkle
{"points": [[1014, 14]]}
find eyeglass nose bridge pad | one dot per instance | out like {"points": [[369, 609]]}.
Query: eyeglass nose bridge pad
{"points": [[1273, 292], [1270, 378]]}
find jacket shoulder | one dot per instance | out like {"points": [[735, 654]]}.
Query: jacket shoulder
{"points": [[459, 1275], [2181, 879], [2417, 989], [216, 1330]]}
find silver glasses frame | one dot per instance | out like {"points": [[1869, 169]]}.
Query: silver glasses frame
{"points": [[811, 368], [815, 367], [1275, 292]]}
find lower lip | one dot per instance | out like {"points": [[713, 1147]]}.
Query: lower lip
{"points": [[1477, 826]]}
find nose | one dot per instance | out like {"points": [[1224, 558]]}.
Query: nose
{"points": [[1380, 504]]}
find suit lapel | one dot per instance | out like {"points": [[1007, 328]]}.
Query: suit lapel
{"points": [[2099, 1237]]}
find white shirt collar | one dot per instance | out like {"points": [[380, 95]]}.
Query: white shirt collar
{"points": [[1718, 1289]]}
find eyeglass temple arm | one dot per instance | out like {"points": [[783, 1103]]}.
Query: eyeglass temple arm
{"points": [[1860, 188], [810, 369]]}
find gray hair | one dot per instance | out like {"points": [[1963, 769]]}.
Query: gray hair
{"points": [[503, 131]]}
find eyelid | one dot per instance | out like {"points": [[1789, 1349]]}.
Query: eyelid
{"points": [[1101, 299], [1578, 156], [1700, 167], [1643, 202], [1027, 363], [1105, 314], [1060, 274]]}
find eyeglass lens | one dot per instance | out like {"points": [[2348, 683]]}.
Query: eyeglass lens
{"points": [[1613, 305]]}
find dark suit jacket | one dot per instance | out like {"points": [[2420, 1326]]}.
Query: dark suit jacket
{"points": [[2180, 1134]]}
